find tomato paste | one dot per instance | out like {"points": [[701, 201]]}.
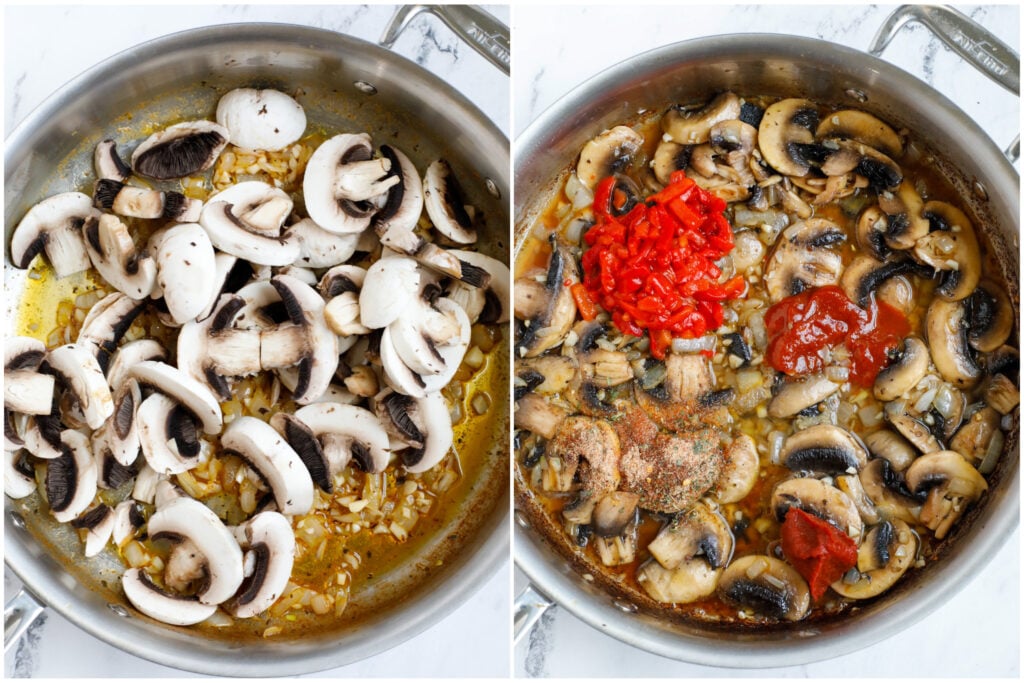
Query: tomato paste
{"points": [[801, 327], [818, 550]]}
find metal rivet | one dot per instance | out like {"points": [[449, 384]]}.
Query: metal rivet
{"points": [[119, 610], [492, 188], [980, 190], [363, 86], [858, 95], [521, 519], [17, 520], [625, 606]]}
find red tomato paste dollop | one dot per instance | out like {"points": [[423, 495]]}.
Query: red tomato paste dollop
{"points": [[653, 269], [801, 326], [819, 551]]}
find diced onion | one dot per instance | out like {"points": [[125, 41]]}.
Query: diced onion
{"points": [[705, 343]]}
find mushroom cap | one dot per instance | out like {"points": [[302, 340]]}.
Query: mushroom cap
{"points": [[81, 375], [105, 324], [768, 586], [948, 470], [696, 533], [797, 394], [390, 286], [187, 391], [862, 127], [269, 539], [907, 222], [108, 163], [401, 212], [946, 330], [54, 226], [549, 307], [319, 248], [607, 153], [891, 446], [804, 257], [819, 499], [445, 203], [186, 270], [267, 451], [991, 317], [823, 449], [436, 428], [693, 127], [905, 370], [119, 434], [113, 254], [495, 305], [740, 470], [305, 308], [786, 125], [326, 200], [130, 353], [356, 432], [245, 220], [891, 548], [261, 119], [71, 478], [180, 150], [19, 475], [888, 491], [162, 605], [163, 431], [189, 519], [953, 251]]}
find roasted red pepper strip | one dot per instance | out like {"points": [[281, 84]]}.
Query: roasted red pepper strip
{"points": [[584, 304], [819, 551], [654, 268]]}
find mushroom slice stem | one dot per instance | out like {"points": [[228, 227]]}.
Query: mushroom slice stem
{"points": [[54, 226]]}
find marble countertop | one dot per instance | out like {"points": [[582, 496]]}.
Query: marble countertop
{"points": [[977, 632], [44, 47]]}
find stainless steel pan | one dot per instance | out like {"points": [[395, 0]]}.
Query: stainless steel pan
{"points": [[347, 85], [782, 66]]}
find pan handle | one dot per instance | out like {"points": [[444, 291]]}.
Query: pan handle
{"points": [[20, 612], [477, 28], [967, 38], [530, 607]]}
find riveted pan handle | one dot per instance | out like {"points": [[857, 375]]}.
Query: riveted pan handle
{"points": [[477, 28], [530, 607], [20, 612], [967, 38]]}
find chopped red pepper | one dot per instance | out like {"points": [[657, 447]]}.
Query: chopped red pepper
{"points": [[654, 268], [818, 550], [584, 304]]}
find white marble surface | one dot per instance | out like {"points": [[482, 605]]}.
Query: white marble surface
{"points": [[977, 632], [44, 47]]}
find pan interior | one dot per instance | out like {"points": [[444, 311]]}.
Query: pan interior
{"points": [[344, 85]]}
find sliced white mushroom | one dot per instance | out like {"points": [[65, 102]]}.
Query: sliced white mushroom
{"points": [[445, 204], [99, 524], [319, 248], [267, 451], [401, 211], [108, 163], [114, 255], [343, 183], [224, 267], [146, 482], [127, 355], [246, 220], [185, 390], [128, 519], [141, 202], [54, 226], [160, 604], [71, 478], [269, 541], [187, 518], [607, 153], [490, 304], [186, 271], [261, 119], [26, 390], [391, 285], [180, 150], [348, 433], [402, 378], [119, 434], [80, 373], [19, 475], [106, 323], [167, 435]]}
